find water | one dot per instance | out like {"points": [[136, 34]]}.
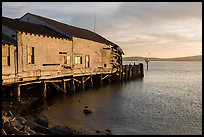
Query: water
{"points": [[167, 101]]}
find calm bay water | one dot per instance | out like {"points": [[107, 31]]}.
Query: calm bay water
{"points": [[167, 101]]}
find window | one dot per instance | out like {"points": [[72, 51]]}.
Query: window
{"points": [[5, 56], [66, 60], [87, 61], [78, 60], [30, 55]]}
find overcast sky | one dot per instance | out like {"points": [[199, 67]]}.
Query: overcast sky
{"points": [[157, 29]]}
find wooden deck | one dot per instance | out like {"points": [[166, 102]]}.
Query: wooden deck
{"points": [[70, 81]]}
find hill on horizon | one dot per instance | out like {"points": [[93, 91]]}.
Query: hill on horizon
{"points": [[187, 58]]}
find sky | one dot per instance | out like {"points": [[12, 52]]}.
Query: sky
{"points": [[147, 29]]}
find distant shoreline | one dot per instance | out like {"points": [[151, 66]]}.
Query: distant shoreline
{"points": [[189, 58]]}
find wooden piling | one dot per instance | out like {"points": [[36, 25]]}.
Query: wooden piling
{"points": [[82, 86], [122, 76], [109, 78], [72, 85], [101, 82], [135, 71], [18, 92], [91, 82], [43, 89], [129, 71], [141, 69], [126, 74], [65, 87]]}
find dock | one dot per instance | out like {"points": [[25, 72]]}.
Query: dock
{"points": [[68, 84]]}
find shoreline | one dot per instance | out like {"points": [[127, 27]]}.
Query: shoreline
{"points": [[18, 119]]}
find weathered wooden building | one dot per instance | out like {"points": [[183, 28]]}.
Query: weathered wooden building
{"points": [[9, 54], [37, 49], [95, 52]]}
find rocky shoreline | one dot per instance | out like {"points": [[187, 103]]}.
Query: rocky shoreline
{"points": [[16, 121], [13, 123], [16, 125]]}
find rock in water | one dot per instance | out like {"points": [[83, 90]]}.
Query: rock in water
{"points": [[21, 120], [62, 130], [41, 120], [23, 133], [7, 127], [31, 124], [87, 111], [43, 130]]}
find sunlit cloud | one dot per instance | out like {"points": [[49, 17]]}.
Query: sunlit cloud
{"points": [[162, 29]]}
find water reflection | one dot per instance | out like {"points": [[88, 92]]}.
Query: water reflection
{"points": [[166, 101]]}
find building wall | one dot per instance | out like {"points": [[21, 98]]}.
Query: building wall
{"points": [[82, 47], [98, 55], [46, 52], [8, 72]]}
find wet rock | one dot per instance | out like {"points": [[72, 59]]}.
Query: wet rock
{"points": [[108, 132], [3, 132], [23, 133], [43, 130], [7, 127], [62, 130], [38, 133], [27, 129], [21, 120], [41, 120], [32, 132], [4, 113], [87, 111], [86, 107], [15, 130], [31, 124], [15, 123], [97, 131], [10, 113], [12, 118], [4, 119]]}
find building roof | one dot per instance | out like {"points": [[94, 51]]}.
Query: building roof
{"points": [[75, 31], [22, 26], [6, 40]]}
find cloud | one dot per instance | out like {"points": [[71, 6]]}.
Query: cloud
{"points": [[138, 27]]}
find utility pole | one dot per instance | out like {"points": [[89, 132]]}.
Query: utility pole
{"points": [[147, 61], [94, 20]]}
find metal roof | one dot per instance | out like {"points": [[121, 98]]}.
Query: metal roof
{"points": [[75, 31], [7, 40], [22, 26]]}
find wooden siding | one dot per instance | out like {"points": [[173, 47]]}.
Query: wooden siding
{"points": [[8, 72], [46, 54]]}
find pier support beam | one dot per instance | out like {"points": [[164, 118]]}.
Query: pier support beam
{"points": [[101, 82], [65, 87], [82, 85], [129, 71], [44, 89], [141, 70], [72, 85], [109, 78], [18, 92], [91, 82], [121, 74]]}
